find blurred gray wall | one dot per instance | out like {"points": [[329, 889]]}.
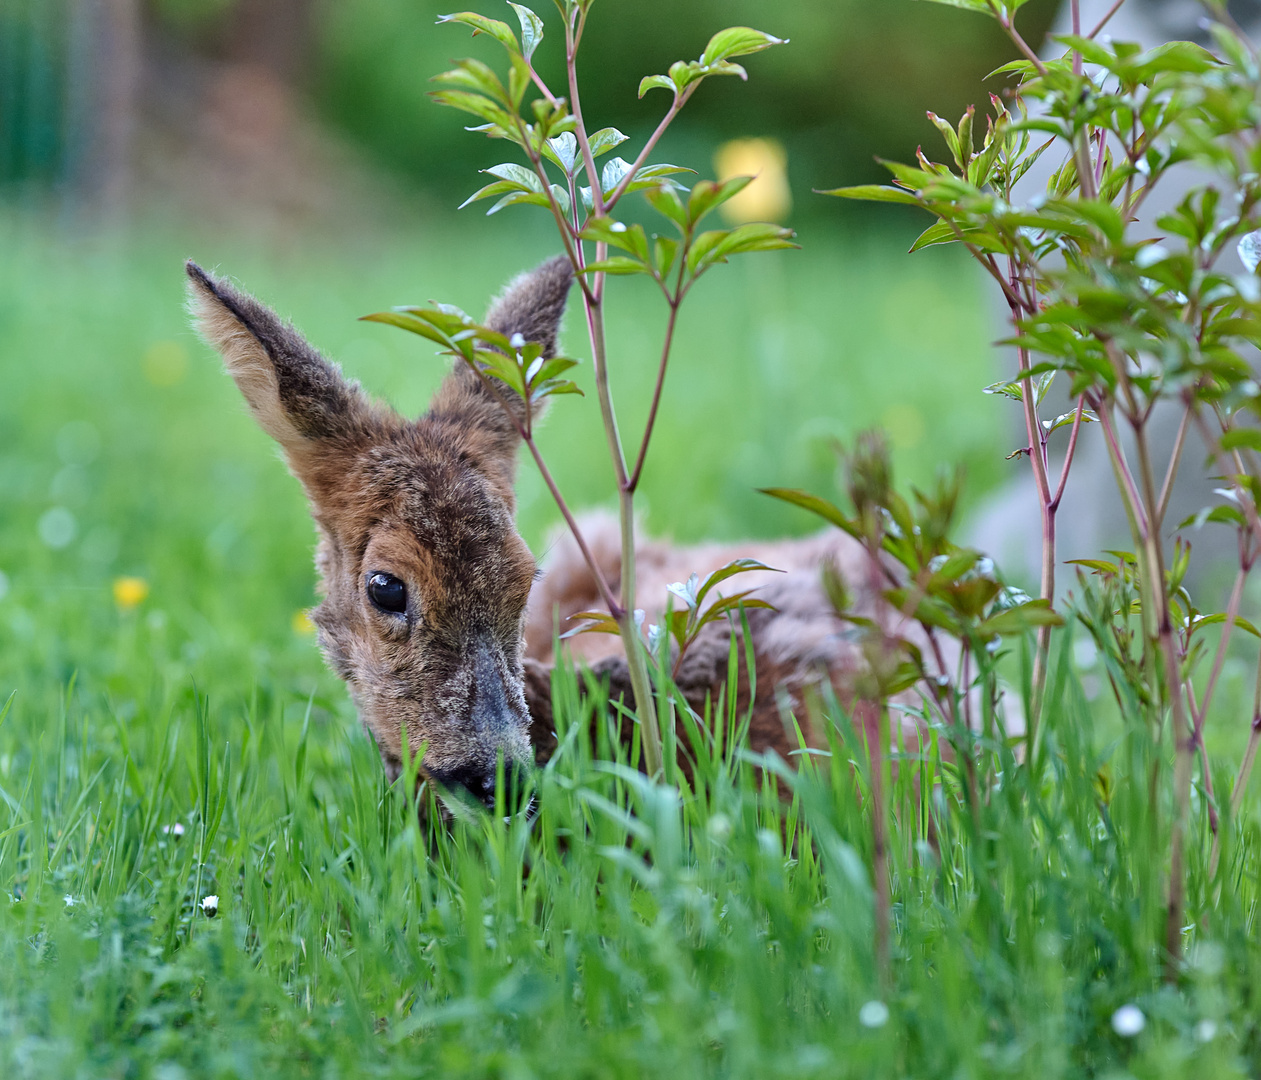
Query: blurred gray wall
{"points": [[1091, 518]]}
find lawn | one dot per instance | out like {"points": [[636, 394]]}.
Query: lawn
{"points": [[175, 736]]}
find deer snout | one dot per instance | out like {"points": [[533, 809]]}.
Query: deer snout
{"points": [[497, 724], [478, 783]]}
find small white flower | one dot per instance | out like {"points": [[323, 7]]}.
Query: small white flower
{"points": [[517, 341], [874, 1014], [210, 905], [176, 830], [1128, 1021], [1206, 1031], [70, 900], [719, 827]]}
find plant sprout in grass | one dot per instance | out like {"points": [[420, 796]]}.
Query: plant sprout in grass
{"points": [[1130, 324], [560, 174]]}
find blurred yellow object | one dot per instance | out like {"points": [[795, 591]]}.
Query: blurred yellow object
{"points": [[302, 623], [165, 363], [768, 197], [130, 591]]}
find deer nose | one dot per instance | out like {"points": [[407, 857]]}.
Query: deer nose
{"points": [[478, 782]]}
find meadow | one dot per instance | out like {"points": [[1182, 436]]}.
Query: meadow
{"points": [[169, 732]]}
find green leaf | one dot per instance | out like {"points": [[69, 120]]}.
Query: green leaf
{"points": [[605, 140], [950, 135], [943, 233], [1220, 617], [721, 607], [736, 41], [954, 567], [490, 191], [550, 369], [874, 193], [1220, 515], [665, 200], [532, 198], [714, 247], [682, 73], [479, 106], [1020, 618], [409, 323], [708, 194], [664, 248], [815, 505], [1098, 566], [616, 264], [501, 367], [473, 75], [1068, 418], [737, 566], [525, 179], [630, 238], [726, 69], [549, 387], [563, 151], [596, 622], [500, 31], [649, 82], [531, 28], [1249, 438], [518, 80]]}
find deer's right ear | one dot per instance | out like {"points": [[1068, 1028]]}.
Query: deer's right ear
{"points": [[296, 395]]}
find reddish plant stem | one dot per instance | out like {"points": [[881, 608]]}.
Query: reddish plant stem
{"points": [[1133, 504], [1010, 29], [1038, 458], [1171, 473], [633, 480], [1068, 456], [593, 298], [679, 101], [575, 108], [1074, 8], [1105, 20]]}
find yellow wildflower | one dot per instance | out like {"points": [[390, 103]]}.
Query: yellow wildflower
{"points": [[302, 623], [130, 592]]}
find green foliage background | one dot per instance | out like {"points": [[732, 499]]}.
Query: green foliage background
{"points": [[853, 84]]}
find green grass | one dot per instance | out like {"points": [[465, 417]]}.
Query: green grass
{"points": [[631, 931]]}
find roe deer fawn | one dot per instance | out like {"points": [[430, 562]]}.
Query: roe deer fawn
{"points": [[431, 611]]}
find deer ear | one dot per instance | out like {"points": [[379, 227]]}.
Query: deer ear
{"points": [[296, 395], [533, 303]]}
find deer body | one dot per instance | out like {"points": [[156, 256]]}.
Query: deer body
{"points": [[430, 609]]}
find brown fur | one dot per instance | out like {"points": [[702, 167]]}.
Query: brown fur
{"points": [[430, 501]]}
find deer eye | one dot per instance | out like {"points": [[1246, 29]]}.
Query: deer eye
{"points": [[387, 593]]}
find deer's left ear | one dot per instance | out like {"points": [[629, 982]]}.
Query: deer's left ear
{"points": [[297, 397]]}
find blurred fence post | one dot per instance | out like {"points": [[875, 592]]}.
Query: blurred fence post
{"points": [[104, 71]]}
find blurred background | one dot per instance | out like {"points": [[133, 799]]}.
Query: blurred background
{"points": [[291, 145]]}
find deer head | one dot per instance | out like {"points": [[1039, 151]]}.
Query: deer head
{"points": [[423, 576]]}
